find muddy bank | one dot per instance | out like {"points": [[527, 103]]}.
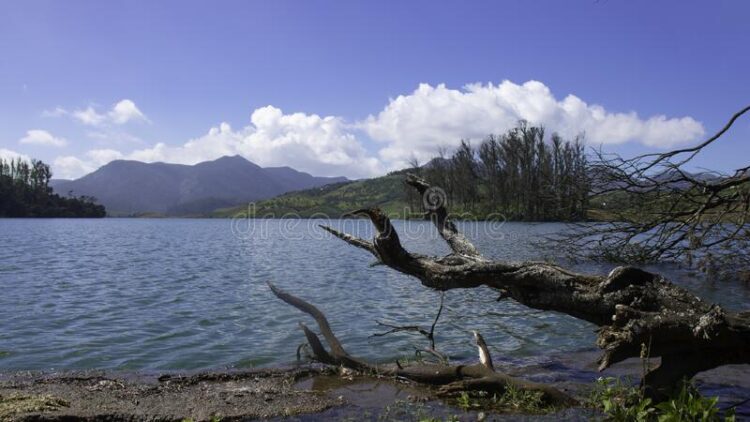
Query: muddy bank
{"points": [[122, 397], [302, 393], [309, 393]]}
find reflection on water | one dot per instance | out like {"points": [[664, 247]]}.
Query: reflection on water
{"points": [[190, 294]]}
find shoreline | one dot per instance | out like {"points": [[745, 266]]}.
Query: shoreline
{"points": [[301, 392]]}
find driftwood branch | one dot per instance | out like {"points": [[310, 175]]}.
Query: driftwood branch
{"points": [[450, 378], [631, 306]]}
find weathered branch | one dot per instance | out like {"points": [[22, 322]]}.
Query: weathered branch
{"points": [[434, 200], [630, 305], [428, 374]]}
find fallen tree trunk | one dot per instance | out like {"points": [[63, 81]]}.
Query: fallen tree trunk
{"points": [[633, 308], [452, 378]]}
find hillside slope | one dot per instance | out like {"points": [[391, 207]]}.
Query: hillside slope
{"points": [[386, 192]]}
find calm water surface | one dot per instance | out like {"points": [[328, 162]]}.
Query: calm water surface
{"points": [[161, 294]]}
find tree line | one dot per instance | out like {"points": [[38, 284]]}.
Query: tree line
{"points": [[521, 174], [25, 192]]}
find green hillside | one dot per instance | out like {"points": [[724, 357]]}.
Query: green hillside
{"points": [[333, 200]]}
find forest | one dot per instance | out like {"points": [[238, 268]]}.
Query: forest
{"points": [[25, 192], [520, 174]]}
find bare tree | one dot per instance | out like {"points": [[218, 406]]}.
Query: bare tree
{"points": [[464, 175], [519, 174], [658, 210], [412, 199]]}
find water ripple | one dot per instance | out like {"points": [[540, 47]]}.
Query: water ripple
{"points": [[189, 294]]}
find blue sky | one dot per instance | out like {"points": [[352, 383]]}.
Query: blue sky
{"points": [[357, 88]]}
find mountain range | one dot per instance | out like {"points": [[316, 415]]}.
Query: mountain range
{"points": [[131, 187]]}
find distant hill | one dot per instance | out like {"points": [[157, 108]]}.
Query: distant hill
{"points": [[55, 182], [386, 192], [133, 187]]}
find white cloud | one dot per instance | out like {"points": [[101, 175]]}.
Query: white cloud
{"points": [[322, 146], [120, 113], [125, 111], [433, 117], [411, 125], [307, 142], [7, 154], [100, 157], [42, 137], [55, 112], [89, 116], [71, 167]]}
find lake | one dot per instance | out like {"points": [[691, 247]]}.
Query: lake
{"points": [[187, 294]]}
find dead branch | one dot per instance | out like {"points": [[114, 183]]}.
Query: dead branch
{"points": [[400, 328], [631, 306], [438, 374], [657, 210], [430, 335]]}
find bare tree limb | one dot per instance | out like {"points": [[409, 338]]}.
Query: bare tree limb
{"points": [[630, 305], [434, 200], [428, 374], [429, 335], [657, 210]]}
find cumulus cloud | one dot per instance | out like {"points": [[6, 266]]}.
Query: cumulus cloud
{"points": [[322, 146], [89, 116], [125, 111], [419, 123], [71, 167], [307, 142], [7, 154], [120, 113], [42, 137], [412, 125]]}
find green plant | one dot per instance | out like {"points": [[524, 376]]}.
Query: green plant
{"points": [[464, 401], [641, 410], [621, 401], [513, 399], [521, 400], [689, 405]]}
